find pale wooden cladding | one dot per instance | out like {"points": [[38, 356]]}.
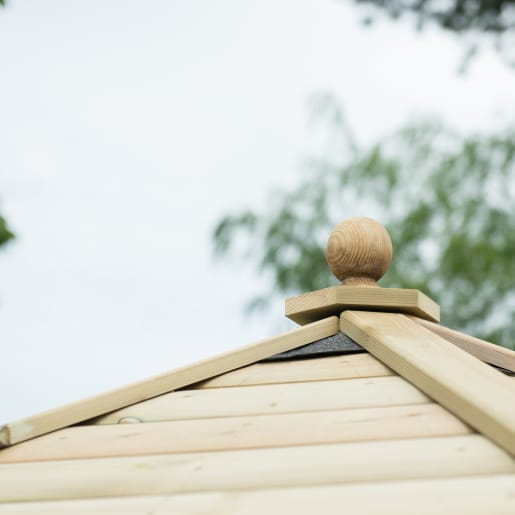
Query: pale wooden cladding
{"points": [[311, 465], [471, 496], [335, 367], [271, 399], [363, 431], [228, 433]]}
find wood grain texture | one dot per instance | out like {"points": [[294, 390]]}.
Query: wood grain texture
{"points": [[471, 496], [212, 434], [349, 366], [359, 251], [470, 455], [472, 390], [483, 350], [88, 408], [268, 399], [316, 305]]}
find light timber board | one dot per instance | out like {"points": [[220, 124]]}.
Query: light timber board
{"points": [[472, 496], [315, 305], [315, 369], [470, 455], [469, 388], [268, 399], [483, 350], [88, 408], [210, 434]]}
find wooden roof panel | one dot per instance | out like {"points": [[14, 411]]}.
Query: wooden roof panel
{"points": [[271, 399], [228, 433], [254, 469], [320, 369]]}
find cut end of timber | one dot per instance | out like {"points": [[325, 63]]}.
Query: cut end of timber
{"points": [[5, 436]]}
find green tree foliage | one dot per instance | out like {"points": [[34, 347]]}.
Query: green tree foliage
{"points": [[447, 200], [474, 19], [487, 16], [5, 233]]}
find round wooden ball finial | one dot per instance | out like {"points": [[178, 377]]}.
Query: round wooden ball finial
{"points": [[359, 252]]}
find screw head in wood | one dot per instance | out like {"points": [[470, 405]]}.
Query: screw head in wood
{"points": [[359, 251]]}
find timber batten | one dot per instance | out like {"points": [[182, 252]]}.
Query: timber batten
{"points": [[53, 420], [480, 395]]}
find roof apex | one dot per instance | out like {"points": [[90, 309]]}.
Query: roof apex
{"points": [[359, 252]]}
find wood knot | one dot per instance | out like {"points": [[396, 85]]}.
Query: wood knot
{"points": [[359, 252]]}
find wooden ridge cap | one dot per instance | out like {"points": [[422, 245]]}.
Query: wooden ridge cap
{"points": [[483, 350], [85, 409], [469, 388]]}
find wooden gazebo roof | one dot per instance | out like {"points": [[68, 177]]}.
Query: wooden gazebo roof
{"points": [[410, 417]]}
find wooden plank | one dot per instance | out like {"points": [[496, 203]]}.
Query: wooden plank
{"points": [[316, 369], [315, 305], [472, 495], [94, 406], [470, 455], [469, 388], [210, 434], [481, 349], [267, 399]]}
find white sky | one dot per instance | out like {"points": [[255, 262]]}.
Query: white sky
{"points": [[128, 128]]}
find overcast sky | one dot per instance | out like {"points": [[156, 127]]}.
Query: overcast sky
{"points": [[128, 128]]}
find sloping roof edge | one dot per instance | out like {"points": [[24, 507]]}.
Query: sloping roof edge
{"points": [[483, 350], [470, 389], [67, 415]]}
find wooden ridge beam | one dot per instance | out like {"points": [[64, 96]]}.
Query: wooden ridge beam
{"points": [[52, 420], [483, 350], [470, 389]]}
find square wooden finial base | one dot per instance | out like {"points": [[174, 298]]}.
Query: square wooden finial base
{"points": [[319, 304]]}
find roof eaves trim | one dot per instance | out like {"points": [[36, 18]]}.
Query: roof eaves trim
{"points": [[64, 416], [467, 387]]}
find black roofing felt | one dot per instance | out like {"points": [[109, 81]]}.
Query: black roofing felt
{"points": [[339, 343]]}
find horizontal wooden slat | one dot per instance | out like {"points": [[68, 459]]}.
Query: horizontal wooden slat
{"points": [[211, 434], [316, 369], [93, 407], [485, 351], [472, 390], [470, 496], [276, 398], [254, 469]]}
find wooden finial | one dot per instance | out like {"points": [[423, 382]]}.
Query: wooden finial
{"points": [[359, 252]]}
